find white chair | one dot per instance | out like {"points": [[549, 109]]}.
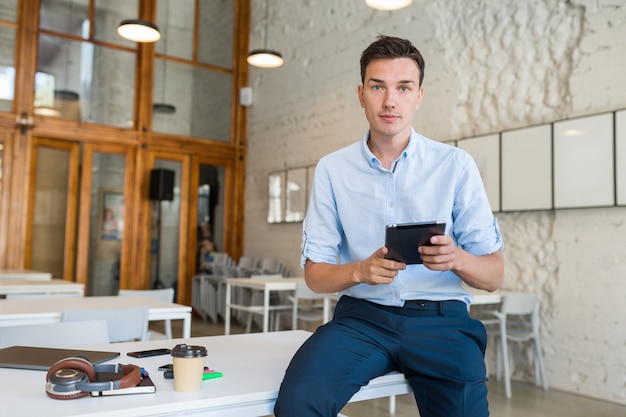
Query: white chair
{"points": [[247, 266], [255, 304], [58, 335], [124, 323], [164, 294], [307, 306], [517, 321]]}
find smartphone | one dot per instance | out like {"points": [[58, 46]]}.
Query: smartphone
{"points": [[150, 352]]}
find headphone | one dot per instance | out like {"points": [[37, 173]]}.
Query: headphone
{"points": [[75, 377]]}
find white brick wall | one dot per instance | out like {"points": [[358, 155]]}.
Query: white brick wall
{"points": [[490, 66]]}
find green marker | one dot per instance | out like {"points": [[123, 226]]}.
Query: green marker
{"points": [[211, 375]]}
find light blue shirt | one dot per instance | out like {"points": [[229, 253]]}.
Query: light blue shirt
{"points": [[353, 199]]}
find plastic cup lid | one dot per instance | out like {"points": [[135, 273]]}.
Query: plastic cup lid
{"points": [[187, 351]]}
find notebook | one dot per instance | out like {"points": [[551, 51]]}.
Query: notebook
{"points": [[41, 358]]}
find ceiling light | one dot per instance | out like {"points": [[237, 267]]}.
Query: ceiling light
{"points": [[139, 31], [47, 111], [265, 58], [388, 4]]}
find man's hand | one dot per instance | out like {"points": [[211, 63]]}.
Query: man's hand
{"points": [[441, 256], [483, 272], [378, 270]]}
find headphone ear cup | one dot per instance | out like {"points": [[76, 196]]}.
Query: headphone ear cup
{"points": [[64, 378]]}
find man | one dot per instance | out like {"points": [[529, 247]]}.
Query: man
{"points": [[392, 316]]}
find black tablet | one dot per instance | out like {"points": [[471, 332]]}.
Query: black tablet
{"points": [[403, 239]]}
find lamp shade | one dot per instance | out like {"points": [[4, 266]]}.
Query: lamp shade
{"points": [[265, 58], [387, 4], [139, 31], [163, 108]]}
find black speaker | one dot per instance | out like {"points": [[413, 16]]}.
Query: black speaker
{"points": [[161, 184]]}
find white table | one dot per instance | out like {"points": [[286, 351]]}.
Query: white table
{"points": [[289, 284], [253, 366], [30, 287], [48, 310], [24, 274], [266, 285]]}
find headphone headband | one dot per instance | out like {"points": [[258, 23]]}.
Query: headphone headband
{"points": [[75, 377]]}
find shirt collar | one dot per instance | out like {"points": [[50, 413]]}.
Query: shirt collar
{"points": [[374, 162]]}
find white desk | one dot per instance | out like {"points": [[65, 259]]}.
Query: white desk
{"points": [[253, 366], [24, 274], [30, 287], [483, 297], [289, 284], [263, 284], [48, 310]]}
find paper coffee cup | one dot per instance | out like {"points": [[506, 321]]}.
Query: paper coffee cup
{"points": [[188, 367]]}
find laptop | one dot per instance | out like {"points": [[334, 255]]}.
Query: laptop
{"points": [[42, 359]]}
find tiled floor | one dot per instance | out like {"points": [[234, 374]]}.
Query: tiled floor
{"points": [[527, 400]]}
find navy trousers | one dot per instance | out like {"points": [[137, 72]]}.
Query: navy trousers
{"points": [[437, 345]]}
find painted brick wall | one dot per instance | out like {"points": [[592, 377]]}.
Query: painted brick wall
{"points": [[490, 66]]}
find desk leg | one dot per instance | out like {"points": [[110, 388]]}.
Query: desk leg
{"points": [[227, 311], [266, 309], [186, 327]]}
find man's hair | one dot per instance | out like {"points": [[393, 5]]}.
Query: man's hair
{"points": [[388, 47]]}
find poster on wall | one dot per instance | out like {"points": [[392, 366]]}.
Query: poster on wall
{"points": [[527, 168], [486, 152], [584, 162]]}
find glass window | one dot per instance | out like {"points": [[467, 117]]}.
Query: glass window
{"points": [[201, 101], [7, 69], [65, 16], [216, 32], [107, 223], [176, 22], [8, 10], [108, 15], [81, 81], [51, 188], [165, 229]]}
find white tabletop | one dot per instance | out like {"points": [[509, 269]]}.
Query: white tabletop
{"points": [[48, 310], [30, 286], [270, 283], [24, 274], [253, 366]]}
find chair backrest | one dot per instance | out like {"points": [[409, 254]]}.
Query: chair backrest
{"points": [[519, 303], [59, 335], [303, 292], [124, 323], [270, 265], [163, 294], [248, 262]]}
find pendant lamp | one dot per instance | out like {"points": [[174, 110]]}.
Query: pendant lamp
{"points": [[388, 4], [139, 31], [265, 58], [163, 107]]}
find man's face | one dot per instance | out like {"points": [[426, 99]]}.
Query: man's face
{"points": [[390, 96]]}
